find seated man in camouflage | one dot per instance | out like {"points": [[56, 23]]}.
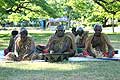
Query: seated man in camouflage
{"points": [[24, 47], [11, 42], [98, 42], [62, 42], [80, 39]]}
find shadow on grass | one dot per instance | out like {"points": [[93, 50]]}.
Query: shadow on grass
{"points": [[56, 71]]}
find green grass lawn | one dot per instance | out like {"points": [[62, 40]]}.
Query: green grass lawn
{"points": [[108, 70], [60, 71]]}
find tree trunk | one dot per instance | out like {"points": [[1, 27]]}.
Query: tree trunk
{"points": [[105, 21], [113, 23]]}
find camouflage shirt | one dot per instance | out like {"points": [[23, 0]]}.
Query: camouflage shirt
{"points": [[26, 47]]}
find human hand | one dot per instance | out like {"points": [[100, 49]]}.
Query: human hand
{"points": [[25, 56]]}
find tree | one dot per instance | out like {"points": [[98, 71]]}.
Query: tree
{"points": [[26, 9], [81, 9], [110, 6], [58, 6], [99, 15]]}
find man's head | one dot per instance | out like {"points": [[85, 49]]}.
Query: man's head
{"points": [[23, 34], [80, 31], [60, 31], [97, 29], [74, 31], [14, 33]]}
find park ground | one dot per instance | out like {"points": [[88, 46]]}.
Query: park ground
{"points": [[107, 70]]}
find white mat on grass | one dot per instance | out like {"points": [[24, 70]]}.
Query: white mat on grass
{"points": [[84, 59], [2, 57], [70, 59], [2, 54], [38, 61], [115, 57]]}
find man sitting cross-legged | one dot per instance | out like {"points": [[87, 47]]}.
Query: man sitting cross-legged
{"points": [[60, 43], [24, 47], [98, 43], [80, 40]]}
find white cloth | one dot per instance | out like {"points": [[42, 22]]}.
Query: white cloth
{"points": [[74, 59], [2, 54], [117, 55]]}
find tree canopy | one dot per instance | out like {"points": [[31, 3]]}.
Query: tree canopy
{"points": [[83, 10], [110, 6], [25, 9]]}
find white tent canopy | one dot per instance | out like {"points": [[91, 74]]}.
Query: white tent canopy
{"points": [[65, 19]]}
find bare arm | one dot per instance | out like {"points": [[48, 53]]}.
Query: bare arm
{"points": [[110, 48], [108, 43], [88, 46]]}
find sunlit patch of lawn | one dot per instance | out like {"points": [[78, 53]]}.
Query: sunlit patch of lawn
{"points": [[29, 65], [60, 71], [41, 38]]}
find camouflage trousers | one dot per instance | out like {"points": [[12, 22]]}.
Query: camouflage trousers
{"points": [[11, 56]]}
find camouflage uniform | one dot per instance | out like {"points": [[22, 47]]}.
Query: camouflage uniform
{"points": [[23, 48], [101, 44], [57, 43], [80, 41]]}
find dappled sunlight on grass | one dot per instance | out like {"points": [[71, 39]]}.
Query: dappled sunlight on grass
{"points": [[5, 32], [114, 41], [3, 46], [43, 66], [41, 38], [60, 71]]}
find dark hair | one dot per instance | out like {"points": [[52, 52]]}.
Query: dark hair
{"points": [[80, 29], [97, 25], [60, 27], [74, 29], [14, 32], [24, 32]]}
